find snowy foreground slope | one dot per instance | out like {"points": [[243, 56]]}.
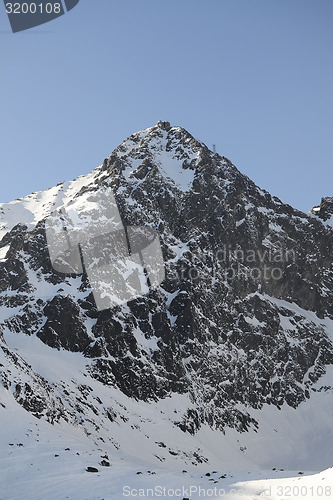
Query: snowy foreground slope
{"points": [[220, 377], [39, 461]]}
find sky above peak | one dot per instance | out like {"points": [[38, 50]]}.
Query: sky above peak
{"points": [[252, 77]]}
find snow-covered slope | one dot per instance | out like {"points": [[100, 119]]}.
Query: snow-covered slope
{"points": [[226, 365]]}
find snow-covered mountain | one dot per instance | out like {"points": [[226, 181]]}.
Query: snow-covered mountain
{"points": [[226, 364]]}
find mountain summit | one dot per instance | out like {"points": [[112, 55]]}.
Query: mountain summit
{"points": [[235, 342]]}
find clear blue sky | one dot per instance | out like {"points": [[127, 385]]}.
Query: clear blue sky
{"points": [[254, 77]]}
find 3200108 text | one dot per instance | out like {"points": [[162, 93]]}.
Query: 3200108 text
{"points": [[304, 491], [33, 8]]}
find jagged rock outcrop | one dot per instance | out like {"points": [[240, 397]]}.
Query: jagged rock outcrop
{"points": [[325, 210]]}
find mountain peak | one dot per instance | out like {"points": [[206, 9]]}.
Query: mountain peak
{"points": [[163, 125], [239, 331], [164, 151]]}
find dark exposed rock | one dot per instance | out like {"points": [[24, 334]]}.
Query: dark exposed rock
{"points": [[91, 469], [64, 326], [325, 210]]}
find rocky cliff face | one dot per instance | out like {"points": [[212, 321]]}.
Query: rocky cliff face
{"points": [[243, 319], [325, 210]]}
